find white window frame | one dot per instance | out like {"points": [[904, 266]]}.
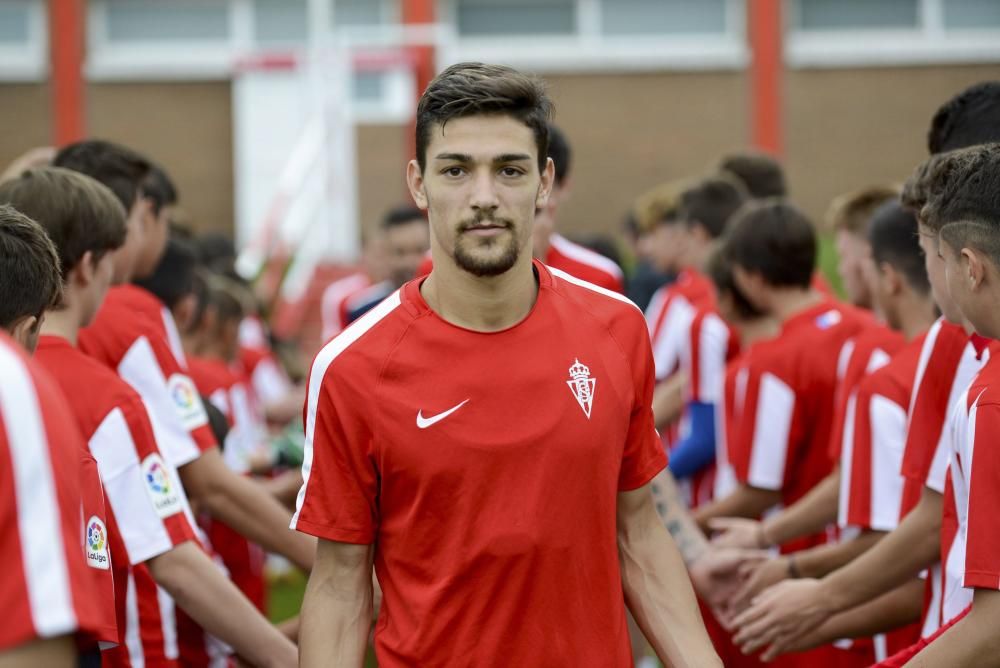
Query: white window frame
{"points": [[28, 61], [589, 50], [927, 44]]}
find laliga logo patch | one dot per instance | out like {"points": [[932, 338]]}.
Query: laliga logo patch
{"points": [[162, 492], [97, 544], [186, 401], [582, 386], [828, 319]]}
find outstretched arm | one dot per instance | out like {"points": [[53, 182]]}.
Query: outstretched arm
{"points": [[657, 589], [973, 642]]}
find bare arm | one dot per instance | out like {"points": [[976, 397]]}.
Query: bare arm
{"points": [[656, 585], [337, 610], [676, 518], [246, 507], [668, 400], [55, 652], [972, 642], [204, 593], [744, 501]]}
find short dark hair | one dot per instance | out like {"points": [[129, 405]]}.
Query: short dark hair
{"points": [[962, 185], [971, 117], [173, 279], [79, 214], [976, 235], [762, 175], [400, 215], [560, 152], [471, 89], [892, 233], [216, 251], [720, 271], [852, 211], [776, 240], [29, 265], [710, 203], [119, 168], [158, 187]]}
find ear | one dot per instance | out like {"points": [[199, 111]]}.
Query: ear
{"points": [[85, 270], [891, 280], [699, 232], [25, 331], [974, 267], [415, 182], [184, 312], [545, 187]]}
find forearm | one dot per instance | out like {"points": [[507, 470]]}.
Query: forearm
{"points": [[668, 400], [285, 487], [809, 515], [247, 508], [676, 518], [203, 592], [337, 616], [745, 501], [50, 652], [820, 561], [898, 608], [973, 642], [904, 552], [661, 599]]}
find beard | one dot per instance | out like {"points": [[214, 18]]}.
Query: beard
{"points": [[489, 256]]}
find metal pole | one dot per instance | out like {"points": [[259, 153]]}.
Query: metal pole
{"points": [[66, 43], [764, 21]]}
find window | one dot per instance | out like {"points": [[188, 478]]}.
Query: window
{"points": [[974, 14], [158, 21], [856, 14], [15, 22], [23, 43], [280, 21], [515, 17], [663, 17], [360, 13]]}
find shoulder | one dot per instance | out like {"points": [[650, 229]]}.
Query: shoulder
{"points": [[575, 253], [606, 305]]}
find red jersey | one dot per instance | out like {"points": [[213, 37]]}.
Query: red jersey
{"points": [[670, 313], [871, 485], [972, 559], [782, 443], [579, 261], [149, 511], [125, 337], [49, 590], [333, 309], [487, 473]]}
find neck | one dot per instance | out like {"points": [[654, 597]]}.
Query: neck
{"points": [[989, 321], [758, 329], [788, 302], [64, 323], [916, 314], [484, 304], [695, 257]]}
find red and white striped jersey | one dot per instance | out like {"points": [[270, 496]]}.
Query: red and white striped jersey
{"points": [[971, 539], [782, 442], [728, 415], [333, 312], [585, 264], [669, 315], [871, 485], [49, 591], [149, 514], [128, 335]]}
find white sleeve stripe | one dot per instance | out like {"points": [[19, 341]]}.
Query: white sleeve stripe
{"points": [[844, 360], [713, 344], [585, 255], [772, 425], [590, 286], [925, 355], [140, 526], [324, 359], [39, 522], [846, 460], [173, 336], [888, 434], [132, 640]]}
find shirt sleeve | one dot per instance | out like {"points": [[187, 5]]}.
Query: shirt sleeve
{"points": [[763, 436], [643, 456], [876, 487], [705, 359], [143, 489], [339, 496], [982, 555]]}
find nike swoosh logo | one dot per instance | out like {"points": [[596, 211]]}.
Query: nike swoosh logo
{"points": [[424, 422]]}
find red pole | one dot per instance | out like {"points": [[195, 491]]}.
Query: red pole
{"points": [[415, 13], [66, 25], [766, 69]]}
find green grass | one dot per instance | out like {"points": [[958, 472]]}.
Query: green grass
{"points": [[828, 264]]}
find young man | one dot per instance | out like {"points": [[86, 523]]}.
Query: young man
{"points": [[963, 207], [59, 600], [761, 174], [793, 611], [149, 529], [130, 335], [470, 513], [333, 304]]}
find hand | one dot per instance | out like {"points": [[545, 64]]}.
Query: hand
{"points": [[716, 576], [756, 577], [737, 532], [781, 615]]}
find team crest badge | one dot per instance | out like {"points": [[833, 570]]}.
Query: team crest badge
{"points": [[582, 386]]}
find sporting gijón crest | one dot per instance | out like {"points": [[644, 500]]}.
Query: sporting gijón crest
{"points": [[583, 386]]}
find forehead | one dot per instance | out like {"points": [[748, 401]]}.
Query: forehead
{"points": [[481, 137]]}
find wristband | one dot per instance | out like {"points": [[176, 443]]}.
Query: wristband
{"points": [[793, 569]]}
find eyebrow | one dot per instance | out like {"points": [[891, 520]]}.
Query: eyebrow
{"points": [[465, 157]]}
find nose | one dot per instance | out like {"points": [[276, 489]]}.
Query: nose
{"points": [[484, 192]]}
